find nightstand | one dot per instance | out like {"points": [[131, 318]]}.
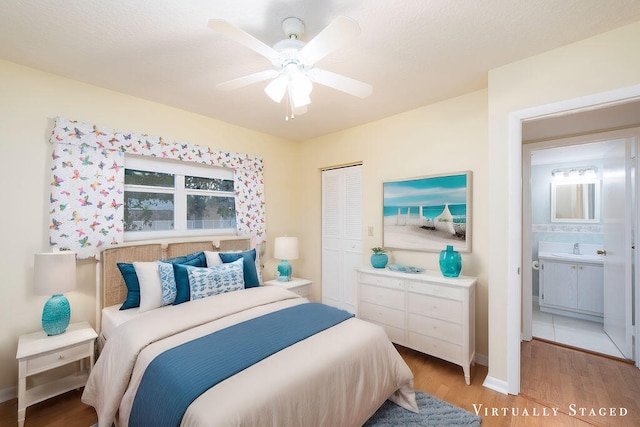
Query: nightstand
{"points": [[301, 287], [38, 353]]}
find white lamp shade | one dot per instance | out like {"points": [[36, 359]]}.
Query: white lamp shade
{"points": [[286, 248], [54, 273]]}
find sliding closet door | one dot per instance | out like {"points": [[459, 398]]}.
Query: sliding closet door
{"points": [[341, 235]]}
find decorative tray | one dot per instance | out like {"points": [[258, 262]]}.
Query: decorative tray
{"points": [[405, 268]]}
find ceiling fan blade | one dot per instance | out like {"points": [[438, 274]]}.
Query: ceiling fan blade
{"points": [[247, 80], [340, 82], [333, 36], [236, 34]]}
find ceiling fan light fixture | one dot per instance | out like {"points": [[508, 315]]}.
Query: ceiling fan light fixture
{"points": [[293, 61], [299, 99], [277, 88]]}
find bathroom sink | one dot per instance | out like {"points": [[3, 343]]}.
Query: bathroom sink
{"points": [[576, 257]]}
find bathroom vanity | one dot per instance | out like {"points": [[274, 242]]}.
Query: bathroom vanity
{"points": [[572, 285]]}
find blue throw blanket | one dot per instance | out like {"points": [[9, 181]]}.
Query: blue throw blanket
{"points": [[176, 377]]}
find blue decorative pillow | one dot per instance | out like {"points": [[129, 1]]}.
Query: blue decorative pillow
{"points": [[188, 259], [182, 278], [249, 265], [133, 286], [168, 282], [128, 272], [205, 282]]}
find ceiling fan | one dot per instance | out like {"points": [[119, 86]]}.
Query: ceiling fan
{"points": [[293, 61]]}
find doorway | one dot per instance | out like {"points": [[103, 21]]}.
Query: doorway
{"points": [[577, 201], [516, 311]]}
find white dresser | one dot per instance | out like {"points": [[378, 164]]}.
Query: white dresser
{"points": [[426, 311]]}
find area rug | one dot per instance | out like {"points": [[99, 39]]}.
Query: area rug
{"points": [[433, 412]]}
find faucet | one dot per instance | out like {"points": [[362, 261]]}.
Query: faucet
{"points": [[576, 248]]}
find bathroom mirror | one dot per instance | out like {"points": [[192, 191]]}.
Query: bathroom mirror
{"points": [[575, 201]]}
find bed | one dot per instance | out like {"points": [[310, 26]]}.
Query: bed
{"points": [[273, 357]]}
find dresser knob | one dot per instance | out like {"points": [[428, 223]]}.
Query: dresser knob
{"points": [[61, 357]]}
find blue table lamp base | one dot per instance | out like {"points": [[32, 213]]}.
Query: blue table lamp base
{"points": [[56, 315], [284, 271]]}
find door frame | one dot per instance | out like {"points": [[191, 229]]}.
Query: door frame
{"points": [[527, 252], [514, 211]]}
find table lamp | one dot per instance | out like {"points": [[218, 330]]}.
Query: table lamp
{"points": [[285, 248], [55, 273]]}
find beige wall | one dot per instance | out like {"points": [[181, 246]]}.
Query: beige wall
{"points": [[606, 62], [449, 136], [29, 103]]}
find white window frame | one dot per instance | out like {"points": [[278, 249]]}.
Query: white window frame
{"points": [[179, 170]]}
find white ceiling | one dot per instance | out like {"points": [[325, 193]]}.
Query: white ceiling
{"points": [[413, 52]]}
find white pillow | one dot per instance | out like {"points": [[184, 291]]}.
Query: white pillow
{"points": [[213, 258], [206, 282], [157, 284], [150, 285]]}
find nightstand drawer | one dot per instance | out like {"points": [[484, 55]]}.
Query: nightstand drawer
{"points": [[303, 291], [57, 358]]}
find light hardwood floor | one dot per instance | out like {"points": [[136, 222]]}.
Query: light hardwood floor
{"points": [[553, 377]]}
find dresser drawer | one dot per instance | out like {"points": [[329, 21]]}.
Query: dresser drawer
{"points": [[56, 358], [447, 331], [435, 290], [393, 298], [380, 314], [373, 279], [439, 308], [435, 347]]}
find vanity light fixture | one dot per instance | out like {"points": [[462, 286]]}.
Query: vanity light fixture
{"points": [[586, 172]]}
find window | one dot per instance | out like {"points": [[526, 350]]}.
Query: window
{"points": [[171, 198]]}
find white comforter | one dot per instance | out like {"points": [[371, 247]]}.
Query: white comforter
{"points": [[338, 377]]}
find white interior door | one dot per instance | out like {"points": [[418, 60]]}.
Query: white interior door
{"points": [[341, 235], [616, 218]]}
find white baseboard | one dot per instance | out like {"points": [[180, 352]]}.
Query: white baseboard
{"points": [[496, 384], [7, 394], [481, 359]]}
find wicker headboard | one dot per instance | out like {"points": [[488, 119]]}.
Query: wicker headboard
{"points": [[114, 291]]}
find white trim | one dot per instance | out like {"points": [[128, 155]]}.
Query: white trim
{"points": [[527, 251], [514, 231], [636, 302], [514, 264], [495, 384], [176, 167], [8, 394]]}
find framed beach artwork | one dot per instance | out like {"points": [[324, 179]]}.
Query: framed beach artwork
{"points": [[428, 213]]}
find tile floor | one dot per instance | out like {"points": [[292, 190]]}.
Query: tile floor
{"points": [[571, 331]]}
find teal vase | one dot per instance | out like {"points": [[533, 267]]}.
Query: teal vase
{"points": [[379, 260], [56, 314], [450, 262]]}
